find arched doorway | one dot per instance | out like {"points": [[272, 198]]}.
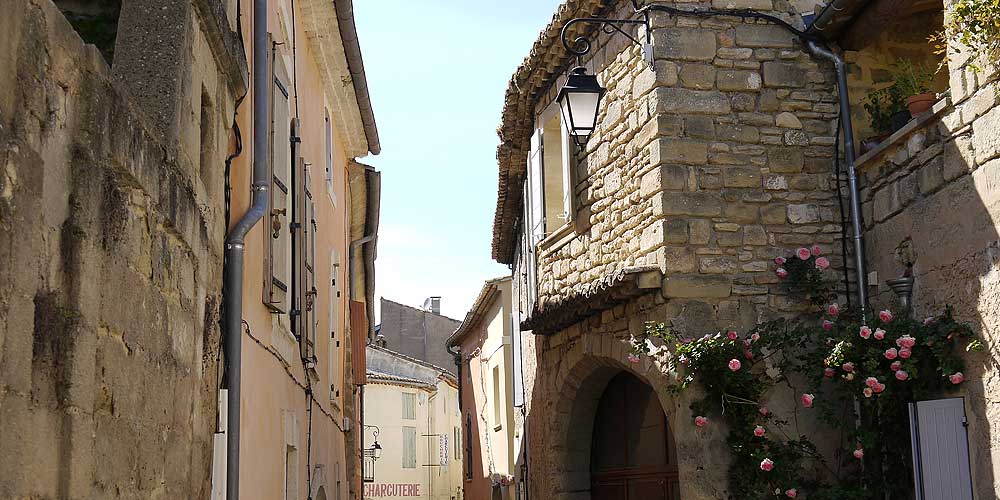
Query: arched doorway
{"points": [[633, 456]]}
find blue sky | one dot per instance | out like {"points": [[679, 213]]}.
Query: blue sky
{"points": [[437, 71]]}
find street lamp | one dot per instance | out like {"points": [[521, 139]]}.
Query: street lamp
{"points": [[376, 451], [580, 99]]}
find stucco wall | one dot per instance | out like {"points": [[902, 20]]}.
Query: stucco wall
{"points": [[417, 333], [111, 244]]}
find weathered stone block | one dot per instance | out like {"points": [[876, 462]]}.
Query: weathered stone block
{"points": [[697, 76], [741, 177], [718, 265], [754, 235], [985, 139], [680, 259], [700, 230], [699, 204], [783, 74], [699, 127], [742, 4], [696, 287], [803, 213], [686, 101], [763, 35], [787, 120], [684, 44], [738, 133], [773, 214], [684, 151], [733, 80], [675, 231], [785, 160]]}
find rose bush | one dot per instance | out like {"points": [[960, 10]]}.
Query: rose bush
{"points": [[854, 377]]}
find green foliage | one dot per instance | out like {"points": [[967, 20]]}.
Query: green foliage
{"points": [[829, 355], [910, 79], [975, 24], [881, 104]]}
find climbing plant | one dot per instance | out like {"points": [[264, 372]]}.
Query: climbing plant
{"points": [[975, 25], [850, 380]]}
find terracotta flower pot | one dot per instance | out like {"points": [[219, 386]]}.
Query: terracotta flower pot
{"points": [[919, 103]]}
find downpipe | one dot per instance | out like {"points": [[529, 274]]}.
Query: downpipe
{"points": [[852, 176], [235, 247]]}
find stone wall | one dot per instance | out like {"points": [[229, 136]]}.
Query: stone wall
{"points": [[112, 262], [418, 333], [706, 166], [931, 197]]}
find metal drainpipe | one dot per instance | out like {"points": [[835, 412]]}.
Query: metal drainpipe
{"points": [[852, 176], [234, 249], [350, 261]]}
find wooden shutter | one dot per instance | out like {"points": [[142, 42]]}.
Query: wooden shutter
{"points": [[278, 242], [940, 450], [359, 342], [304, 222], [536, 187], [570, 204]]}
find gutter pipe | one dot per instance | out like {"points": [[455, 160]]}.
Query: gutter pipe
{"points": [[861, 267], [235, 247]]}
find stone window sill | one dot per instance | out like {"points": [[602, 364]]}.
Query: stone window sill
{"points": [[900, 136], [557, 239]]}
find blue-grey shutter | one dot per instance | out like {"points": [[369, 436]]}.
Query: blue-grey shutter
{"points": [[277, 243], [940, 450]]}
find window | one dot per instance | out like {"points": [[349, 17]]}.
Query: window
{"points": [[409, 406], [468, 446], [291, 473], [304, 254], [409, 447], [497, 400], [329, 160], [551, 203]]}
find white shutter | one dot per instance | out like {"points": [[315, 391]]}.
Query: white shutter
{"points": [[305, 254], [940, 450], [568, 168], [536, 189]]}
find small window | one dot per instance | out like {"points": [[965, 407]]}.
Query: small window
{"points": [[278, 242], [333, 323], [409, 406], [497, 400], [468, 446], [291, 473], [329, 160], [409, 447], [551, 201]]}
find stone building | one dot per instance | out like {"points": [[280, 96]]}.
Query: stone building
{"points": [[486, 373], [127, 136], [701, 169], [414, 418], [111, 239], [419, 332]]}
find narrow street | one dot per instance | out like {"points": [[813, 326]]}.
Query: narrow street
{"points": [[499, 250]]}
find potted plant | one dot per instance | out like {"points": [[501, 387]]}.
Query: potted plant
{"points": [[914, 82], [882, 106]]}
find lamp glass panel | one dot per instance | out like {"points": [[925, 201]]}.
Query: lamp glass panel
{"points": [[583, 111]]}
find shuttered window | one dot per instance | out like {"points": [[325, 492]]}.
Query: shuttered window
{"points": [[278, 242], [940, 444], [409, 406], [334, 325], [304, 224], [409, 447]]}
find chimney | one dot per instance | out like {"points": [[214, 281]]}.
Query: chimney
{"points": [[433, 304]]}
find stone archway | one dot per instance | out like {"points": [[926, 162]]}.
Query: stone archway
{"points": [[587, 367]]}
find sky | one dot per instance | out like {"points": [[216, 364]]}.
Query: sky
{"points": [[437, 71]]}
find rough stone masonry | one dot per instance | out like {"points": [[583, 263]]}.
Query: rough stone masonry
{"points": [[110, 257]]}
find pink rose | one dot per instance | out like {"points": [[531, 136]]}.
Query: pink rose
{"points": [[779, 261], [833, 309], [879, 334], [822, 263], [859, 453], [734, 364], [748, 354], [878, 388], [956, 378], [848, 367], [906, 341], [895, 366], [731, 335], [885, 315], [807, 400], [766, 465], [700, 421], [828, 372], [849, 376], [759, 431], [764, 411], [867, 392], [816, 250], [905, 353], [891, 353], [781, 272], [632, 358], [791, 493], [827, 325], [928, 320], [755, 337], [871, 381], [865, 332], [803, 253], [902, 375]]}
